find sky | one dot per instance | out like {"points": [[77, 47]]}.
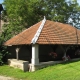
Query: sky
{"points": [[78, 1], [1, 1]]}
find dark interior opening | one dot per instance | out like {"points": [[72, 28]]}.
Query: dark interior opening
{"points": [[46, 52]]}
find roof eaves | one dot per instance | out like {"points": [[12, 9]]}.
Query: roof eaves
{"points": [[36, 36]]}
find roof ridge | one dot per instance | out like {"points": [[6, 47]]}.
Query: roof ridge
{"points": [[35, 38]]}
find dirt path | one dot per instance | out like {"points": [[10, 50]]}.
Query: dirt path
{"points": [[5, 78]]}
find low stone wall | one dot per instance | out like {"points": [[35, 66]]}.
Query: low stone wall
{"points": [[45, 64], [42, 65], [23, 65]]}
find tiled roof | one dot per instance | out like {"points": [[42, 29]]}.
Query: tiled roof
{"points": [[51, 33], [58, 33], [24, 37]]}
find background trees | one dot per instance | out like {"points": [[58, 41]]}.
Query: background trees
{"points": [[24, 13]]}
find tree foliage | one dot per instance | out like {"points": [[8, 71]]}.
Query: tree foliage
{"points": [[24, 13]]}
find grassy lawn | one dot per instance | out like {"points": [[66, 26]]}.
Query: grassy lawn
{"points": [[66, 71]]}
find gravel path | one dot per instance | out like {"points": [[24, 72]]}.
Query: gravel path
{"points": [[5, 78]]}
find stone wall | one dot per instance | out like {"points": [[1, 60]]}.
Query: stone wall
{"points": [[20, 64], [25, 66], [46, 64]]}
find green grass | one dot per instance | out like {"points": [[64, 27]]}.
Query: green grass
{"points": [[65, 71]]}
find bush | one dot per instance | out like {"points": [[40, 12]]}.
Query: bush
{"points": [[3, 49]]}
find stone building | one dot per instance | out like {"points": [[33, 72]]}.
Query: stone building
{"points": [[37, 42]]}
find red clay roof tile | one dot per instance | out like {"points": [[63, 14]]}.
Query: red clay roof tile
{"points": [[52, 33]]}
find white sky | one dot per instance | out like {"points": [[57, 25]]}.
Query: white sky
{"points": [[78, 1]]}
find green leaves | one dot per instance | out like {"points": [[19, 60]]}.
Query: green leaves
{"points": [[29, 12]]}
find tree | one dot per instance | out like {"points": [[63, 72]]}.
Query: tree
{"points": [[74, 18], [24, 13], [3, 49]]}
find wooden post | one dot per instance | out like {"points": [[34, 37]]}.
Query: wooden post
{"points": [[17, 53], [65, 48], [65, 57]]}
